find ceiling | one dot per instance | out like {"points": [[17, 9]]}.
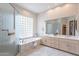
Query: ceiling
{"points": [[38, 7]]}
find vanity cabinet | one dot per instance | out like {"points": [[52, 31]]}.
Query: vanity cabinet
{"points": [[52, 42], [65, 44], [69, 45], [73, 46]]}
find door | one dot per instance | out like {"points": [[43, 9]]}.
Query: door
{"points": [[64, 29]]}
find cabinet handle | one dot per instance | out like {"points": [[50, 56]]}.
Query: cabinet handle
{"points": [[11, 33], [5, 30]]}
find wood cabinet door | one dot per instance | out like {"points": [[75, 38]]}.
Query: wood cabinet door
{"points": [[49, 41], [52, 42], [77, 48], [56, 42], [46, 41], [73, 46], [63, 44], [43, 41]]}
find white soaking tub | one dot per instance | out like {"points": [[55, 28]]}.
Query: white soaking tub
{"points": [[30, 43]]}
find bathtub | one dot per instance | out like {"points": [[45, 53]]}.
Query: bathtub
{"points": [[30, 43], [29, 40]]}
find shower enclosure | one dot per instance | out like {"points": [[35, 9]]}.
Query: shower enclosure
{"points": [[8, 42]]}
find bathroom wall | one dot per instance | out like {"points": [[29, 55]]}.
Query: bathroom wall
{"points": [[62, 11], [28, 13], [77, 18]]}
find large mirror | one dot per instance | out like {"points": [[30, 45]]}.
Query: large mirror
{"points": [[62, 26]]}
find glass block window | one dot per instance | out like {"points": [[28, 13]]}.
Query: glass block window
{"points": [[24, 26]]}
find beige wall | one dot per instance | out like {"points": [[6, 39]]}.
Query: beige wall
{"points": [[63, 11], [77, 18]]}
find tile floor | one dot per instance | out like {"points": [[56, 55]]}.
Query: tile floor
{"points": [[43, 51]]}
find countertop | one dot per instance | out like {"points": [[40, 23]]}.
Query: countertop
{"points": [[64, 36]]}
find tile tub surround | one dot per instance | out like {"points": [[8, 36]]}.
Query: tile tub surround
{"points": [[29, 44]]}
